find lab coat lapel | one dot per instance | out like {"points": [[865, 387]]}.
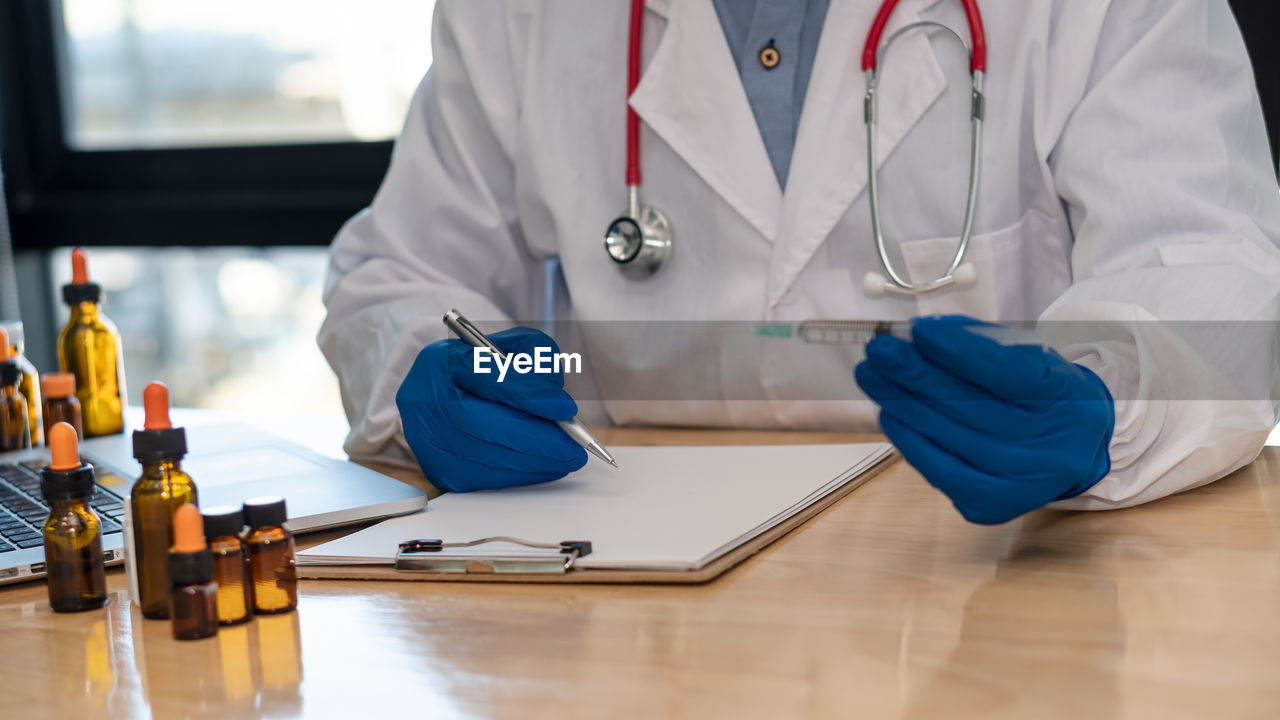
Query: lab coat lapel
{"points": [[691, 96], [829, 166]]}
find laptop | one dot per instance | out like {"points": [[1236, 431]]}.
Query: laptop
{"points": [[230, 463]]}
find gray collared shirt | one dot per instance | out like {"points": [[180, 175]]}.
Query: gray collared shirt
{"points": [[792, 28]]}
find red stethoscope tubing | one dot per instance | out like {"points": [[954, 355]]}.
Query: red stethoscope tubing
{"points": [[978, 63], [977, 34], [633, 79]]}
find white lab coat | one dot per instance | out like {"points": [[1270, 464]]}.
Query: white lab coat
{"points": [[1125, 177]]}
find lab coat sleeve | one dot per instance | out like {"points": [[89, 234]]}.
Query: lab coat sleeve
{"points": [[1163, 166], [441, 232]]}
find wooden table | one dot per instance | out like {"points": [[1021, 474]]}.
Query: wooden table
{"points": [[887, 605]]}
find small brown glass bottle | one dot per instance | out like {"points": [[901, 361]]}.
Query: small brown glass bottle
{"points": [[28, 383], [89, 347], [15, 431], [222, 526], [193, 600], [162, 488], [60, 403], [271, 561], [72, 533]]}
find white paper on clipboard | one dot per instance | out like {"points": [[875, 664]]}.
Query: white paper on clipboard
{"points": [[664, 508]]}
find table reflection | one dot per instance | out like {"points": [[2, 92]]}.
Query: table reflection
{"points": [[1050, 617], [86, 666], [249, 670], [279, 653]]}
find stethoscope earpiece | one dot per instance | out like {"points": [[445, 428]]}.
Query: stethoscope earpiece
{"points": [[966, 274], [875, 284]]}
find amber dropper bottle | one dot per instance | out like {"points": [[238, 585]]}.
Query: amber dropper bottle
{"points": [[29, 383], [193, 600], [89, 348], [222, 526], [158, 493], [72, 534], [271, 561], [15, 431], [60, 403]]}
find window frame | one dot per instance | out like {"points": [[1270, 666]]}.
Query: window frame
{"points": [[59, 196]]}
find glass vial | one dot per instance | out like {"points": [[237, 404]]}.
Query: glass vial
{"points": [[72, 533], [28, 382], [60, 403], [222, 526], [89, 348], [271, 561], [193, 597], [15, 431], [156, 496]]}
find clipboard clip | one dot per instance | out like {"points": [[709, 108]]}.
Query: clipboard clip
{"points": [[431, 556]]}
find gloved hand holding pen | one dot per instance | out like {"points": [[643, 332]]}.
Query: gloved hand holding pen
{"points": [[1001, 430], [469, 431]]}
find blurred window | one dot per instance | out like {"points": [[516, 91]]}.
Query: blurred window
{"points": [[184, 73], [229, 328]]}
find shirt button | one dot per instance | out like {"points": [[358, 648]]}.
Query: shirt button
{"points": [[769, 56]]}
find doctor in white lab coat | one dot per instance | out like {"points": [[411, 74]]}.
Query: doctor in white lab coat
{"points": [[1125, 180]]}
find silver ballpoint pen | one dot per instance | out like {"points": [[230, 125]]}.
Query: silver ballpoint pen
{"points": [[574, 428]]}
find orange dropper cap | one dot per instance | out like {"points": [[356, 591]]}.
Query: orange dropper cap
{"points": [[4, 346], [190, 561], [158, 439], [65, 478], [188, 530], [81, 289], [155, 401], [79, 267], [62, 445]]}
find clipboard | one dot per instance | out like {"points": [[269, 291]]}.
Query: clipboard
{"points": [[556, 562]]}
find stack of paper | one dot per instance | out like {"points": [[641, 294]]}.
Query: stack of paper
{"points": [[665, 508]]}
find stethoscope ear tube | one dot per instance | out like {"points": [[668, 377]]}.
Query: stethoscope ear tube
{"points": [[977, 35], [958, 272]]}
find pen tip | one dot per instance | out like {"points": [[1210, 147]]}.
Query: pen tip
{"points": [[613, 463]]}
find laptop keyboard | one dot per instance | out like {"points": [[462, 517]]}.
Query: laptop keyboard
{"points": [[23, 512]]}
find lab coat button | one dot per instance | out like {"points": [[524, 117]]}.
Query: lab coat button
{"points": [[769, 56]]}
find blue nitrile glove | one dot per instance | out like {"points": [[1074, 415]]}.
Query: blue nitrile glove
{"points": [[470, 432], [1002, 430]]}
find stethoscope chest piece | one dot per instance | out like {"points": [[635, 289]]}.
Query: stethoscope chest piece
{"points": [[639, 242]]}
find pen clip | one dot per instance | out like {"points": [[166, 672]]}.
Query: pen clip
{"points": [[469, 333], [429, 556]]}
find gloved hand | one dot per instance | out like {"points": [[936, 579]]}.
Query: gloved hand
{"points": [[468, 431], [1002, 430]]}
